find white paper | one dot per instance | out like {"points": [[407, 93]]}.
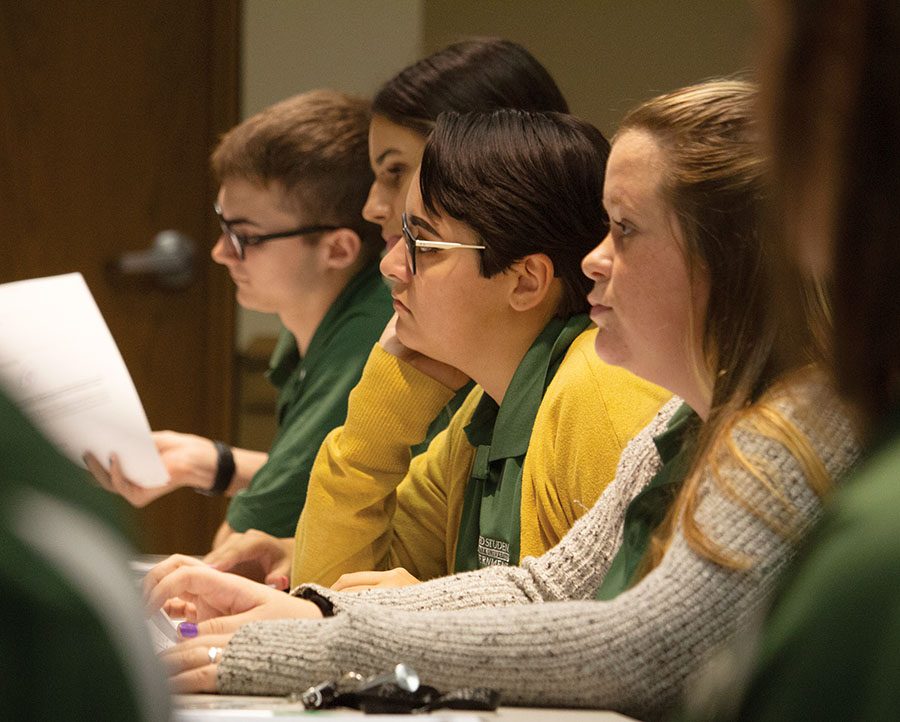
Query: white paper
{"points": [[60, 363], [163, 631]]}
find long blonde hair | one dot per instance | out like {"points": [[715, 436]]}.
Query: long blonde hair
{"points": [[715, 182]]}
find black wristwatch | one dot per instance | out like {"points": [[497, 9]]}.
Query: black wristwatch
{"points": [[224, 471], [311, 595]]}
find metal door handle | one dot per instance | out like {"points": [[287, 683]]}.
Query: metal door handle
{"points": [[169, 260]]}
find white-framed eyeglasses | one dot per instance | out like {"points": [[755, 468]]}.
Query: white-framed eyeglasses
{"points": [[412, 243]]}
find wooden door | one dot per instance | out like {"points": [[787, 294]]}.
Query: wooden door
{"points": [[108, 112]]}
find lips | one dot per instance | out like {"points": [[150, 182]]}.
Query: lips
{"points": [[598, 310], [390, 240], [598, 313], [399, 305], [594, 300]]}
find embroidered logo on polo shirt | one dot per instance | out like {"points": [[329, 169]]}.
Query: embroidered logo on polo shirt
{"points": [[492, 551]]}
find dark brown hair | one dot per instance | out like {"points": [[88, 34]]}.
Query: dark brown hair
{"points": [[480, 74], [524, 183], [834, 116], [315, 145]]}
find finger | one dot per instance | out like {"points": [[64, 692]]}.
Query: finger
{"points": [[97, 471], [136, 495], [166, 567], [279, 575], [279, 581], [185, 582], [358, 588], [355, 579], [187, 655], [219, 626], [201, 679], [115, 471], [188, 664], [180, 609]]}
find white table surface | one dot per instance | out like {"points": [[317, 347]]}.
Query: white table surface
{"points": [[225, 708]]}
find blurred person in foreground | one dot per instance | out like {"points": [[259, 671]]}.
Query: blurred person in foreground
{"points": [[73, 644], [830, 645]]}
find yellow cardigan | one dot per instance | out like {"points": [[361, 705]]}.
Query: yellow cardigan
{"points": [[370, 507]]}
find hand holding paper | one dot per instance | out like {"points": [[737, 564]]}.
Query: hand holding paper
{"points": [[60, 363]]}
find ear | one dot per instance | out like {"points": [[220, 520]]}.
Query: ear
{"points": [[339, 249], [532, 281]]}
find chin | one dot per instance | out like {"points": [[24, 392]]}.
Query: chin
{"points": [[413, 341], [406, 336], [249, 303], [611, 353]]}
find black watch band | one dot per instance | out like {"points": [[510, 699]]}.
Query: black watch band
{"points": [[311, 595], [224, 470]]}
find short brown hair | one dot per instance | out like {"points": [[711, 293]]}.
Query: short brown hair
{"points": [[315, 145], [525, 183]]}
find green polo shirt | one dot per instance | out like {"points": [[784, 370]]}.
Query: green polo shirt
{"points": [[73, 645], [830, 648], [490, 523], [312, 401], [648, 509]]}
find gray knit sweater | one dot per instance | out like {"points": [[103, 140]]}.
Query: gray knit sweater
{"points": [[535, 633]]}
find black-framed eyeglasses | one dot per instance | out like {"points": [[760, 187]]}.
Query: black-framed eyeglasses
{"points": [[412, 243], [239, 241]]}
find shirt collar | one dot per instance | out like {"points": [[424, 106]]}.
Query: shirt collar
{"points": [[671, 442], [286, 356], [507, 428]]}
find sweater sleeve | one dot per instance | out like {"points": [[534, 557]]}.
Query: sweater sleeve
{"points": [[430, 500], [631, 654], [346, 524]]}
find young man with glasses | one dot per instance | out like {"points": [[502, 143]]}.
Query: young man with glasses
{"points": [[293, 181]]}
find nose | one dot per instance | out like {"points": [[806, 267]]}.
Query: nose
{"points": [[395, 264], [597, 265], [376, 209], [223, 252]]}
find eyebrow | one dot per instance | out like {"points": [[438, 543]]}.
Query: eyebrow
{"points": [[239, 221], [422, 223], [620, 199], [380, 159]]}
